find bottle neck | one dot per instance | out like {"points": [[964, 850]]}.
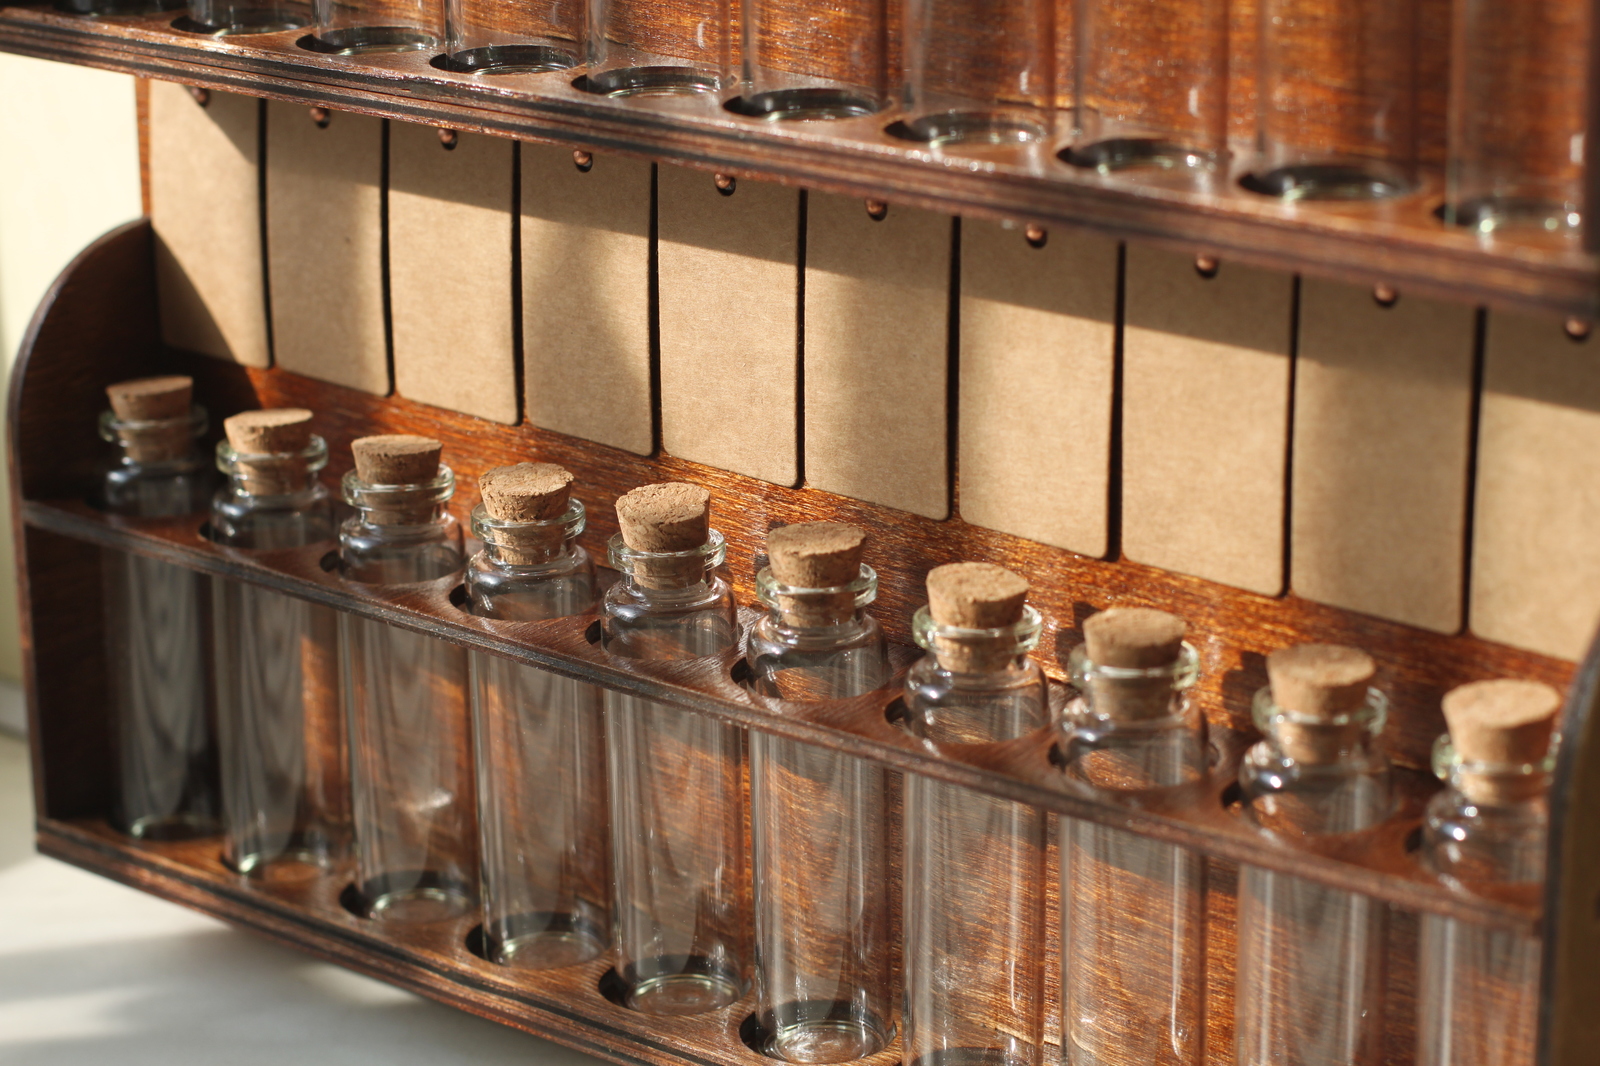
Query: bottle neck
{"points": [[1144, 696], [1310, 741], [156, 441], [814, 612], [277, 474], [400, 506], [511, 545], [669, 575], [977, 652], [1494, 784]]}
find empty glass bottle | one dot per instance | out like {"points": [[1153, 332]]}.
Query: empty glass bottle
{"points": [[285, 784], [1478, 988], [411, 776], [1311, 963], [157, 615], [974, 864], [539, 736], [630, 49], [820, 819], [1132, 975], [682, 909]]}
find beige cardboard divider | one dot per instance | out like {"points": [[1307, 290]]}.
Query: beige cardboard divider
{"points": [[729, 287], [586, 297], [1535, 546], [1038, 351], [1205, 418], [205, 209], [450, 286], [325, 246], [877, 306], [1382, 428]]}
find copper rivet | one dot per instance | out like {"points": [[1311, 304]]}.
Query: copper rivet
{"points": [[1577, 328], [582, 160], [321, 117], [447, 137], [1206, 266], [726, 183], [1384, 294], [201, 96], [877, 210], [1036, 234]]}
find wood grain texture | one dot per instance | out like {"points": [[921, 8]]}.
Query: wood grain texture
{"points": [[1535, 560], [451, 222], [729, 299], [876, 354], [1038, 336], [325, 246], [1382, 442], [205, 208], [585, 241], [1205, 419]]}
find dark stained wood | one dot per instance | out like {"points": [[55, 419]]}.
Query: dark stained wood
{"points": [[1399, 242]]}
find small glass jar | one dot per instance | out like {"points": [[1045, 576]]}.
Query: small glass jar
{"points": [[825, 62], [1131, 988], [374, 27], [488, 37], [158, 634], [1478, 988], [411, 774], [280, 731], [979, 73], [974, 864], [630, 49], [540, 755], [825, 973], [1311, 969], [230, 18], [682, 906]]}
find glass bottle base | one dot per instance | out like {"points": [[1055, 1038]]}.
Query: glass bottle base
{"points": [[1127, 153], [822, 1031], [244, 23], [972, 128], [415, 897], [679, 984], [163, 828], [284, 867], [1358, 180], [974, 1056], [1487, 214], [508, 59], [807, 104], [648, 81], [369, 40], [546, 941]]}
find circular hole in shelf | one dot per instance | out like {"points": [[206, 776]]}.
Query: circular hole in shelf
{"points": [[476, 942], [1413, 843], [205, 531], [1057, 755], [895, 712], [329, 562], [1231, 797], [673, 985], [506, 59], [612, 987], [739, 672], [819, 1031], [592, 633], [458, 599], [350, 899]]}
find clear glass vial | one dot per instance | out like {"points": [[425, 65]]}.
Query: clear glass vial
{"points": [[541, 754], [411, 774], [371, 27], [1336, 99], [826, 61], [979, 72], [1132, 977], [1516, 115], [492, 37], [682, 909], [631, 49], [975, 876], [825, 965], [280, 730], [1478, 988], [1150, 85], [228, 18], [157, 615], [1311, 963]]}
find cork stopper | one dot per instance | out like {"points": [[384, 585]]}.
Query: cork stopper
{"points": [[1505, 722], [159, 399], [975, 596], [1133, 638], [397, 459], [1319, 682], [816, 555], [282, 434], [526, 492], [673, 516]]}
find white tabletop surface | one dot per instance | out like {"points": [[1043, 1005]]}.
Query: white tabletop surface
{"points": [[94, 974]]}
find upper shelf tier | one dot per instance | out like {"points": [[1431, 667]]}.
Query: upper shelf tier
{"points": [[1399, 243]]}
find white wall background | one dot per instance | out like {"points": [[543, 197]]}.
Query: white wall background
{"points": [[69, 171]]}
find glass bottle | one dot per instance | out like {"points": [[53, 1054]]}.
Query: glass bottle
{"points": [[285, 788], [411, 776], [1131, 976], [540, 737], [1150, 85], [1516, 115], [227, 18], [682, 909], [1336, 99], [490, 37], [979, 72], [1478, 988], [829, 61], [974, 863], [371, 27], [1311, 958], [631, 50], [825, 964], [158, 624]]}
